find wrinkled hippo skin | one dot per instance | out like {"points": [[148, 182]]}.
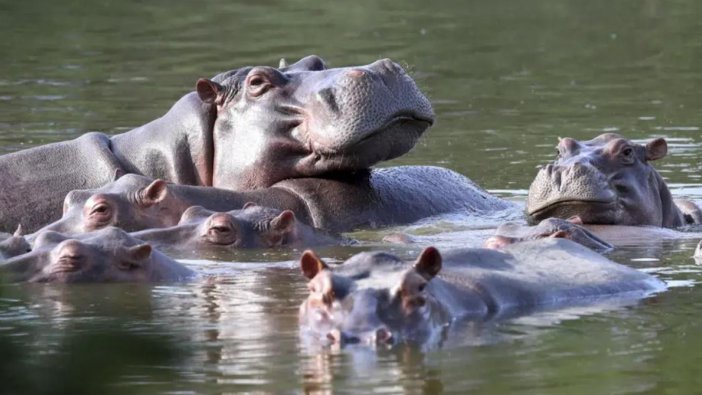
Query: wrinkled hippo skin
{"points": [[608, 180], [243, 129], [377, 297], [106, 255], [396, 195], [571, 229], [251, 227]]}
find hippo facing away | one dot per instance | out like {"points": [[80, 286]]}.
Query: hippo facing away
{"points": [[608, 180], [378, 297], [244, 129]]}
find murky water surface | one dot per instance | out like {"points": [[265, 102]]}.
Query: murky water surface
{"points": [[506, 79]]}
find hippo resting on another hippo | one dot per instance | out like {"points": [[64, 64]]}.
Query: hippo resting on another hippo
{"points": [[244, 129], [608, 180], [107, 255], [380, 197], [377, 297], [251, 227]]}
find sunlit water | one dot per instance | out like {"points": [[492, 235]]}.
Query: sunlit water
{"points": [[506, 79]]}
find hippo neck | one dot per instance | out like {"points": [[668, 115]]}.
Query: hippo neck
{"points": [[671, 215], [178, 147]]}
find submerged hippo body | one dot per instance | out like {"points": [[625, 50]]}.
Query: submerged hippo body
{"points": [[251, 227], [106, 255], [511, 233], [376, 296], [244, 129], [380, 197], [608, 180]]}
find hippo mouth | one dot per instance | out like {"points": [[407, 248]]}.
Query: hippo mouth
{"points": [[408, 120], [590, 211]]}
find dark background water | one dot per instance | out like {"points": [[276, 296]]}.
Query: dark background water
{"points": [[506, 79]]}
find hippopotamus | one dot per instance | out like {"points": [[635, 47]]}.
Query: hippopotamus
{"points": [[571, 229], [106, 255], [375, 296], [374, 198], [13, 244], [251, 227], [608, 180], [243, 129]]}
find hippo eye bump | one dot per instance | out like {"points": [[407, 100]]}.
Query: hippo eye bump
{"points": [[257, 84], [421, 287]]}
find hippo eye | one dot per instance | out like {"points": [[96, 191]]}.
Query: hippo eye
{"points": [[127, 266], [257, 84], [628, 154], [100, 210], [421, 287]]}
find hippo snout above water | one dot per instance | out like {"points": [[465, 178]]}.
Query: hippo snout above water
{"points": [[607, 180], [376, 297]]}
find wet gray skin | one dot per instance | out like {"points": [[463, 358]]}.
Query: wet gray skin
{"points": [[571, 229], [607, 180], [106, 255], [376, 297], [244, 129], [396, 195], [698, 252], [251, 227]]}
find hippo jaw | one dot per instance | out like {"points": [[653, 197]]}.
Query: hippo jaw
{"points": [[306, 120]]}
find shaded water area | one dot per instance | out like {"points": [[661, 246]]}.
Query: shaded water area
{"points": [[506, 78]]}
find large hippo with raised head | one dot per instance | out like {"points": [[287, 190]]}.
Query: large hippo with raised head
{"points": [[375, 296], [243, 129], [608, 180]]}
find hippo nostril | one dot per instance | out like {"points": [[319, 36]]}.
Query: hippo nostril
{"points": [[356, 73], [221, 229]]}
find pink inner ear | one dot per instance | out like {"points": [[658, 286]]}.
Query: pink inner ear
{"points": [[208, 91], [656, 149], [310, 264], [155, 192], [429, 263], [285, 221], [140, 252]]}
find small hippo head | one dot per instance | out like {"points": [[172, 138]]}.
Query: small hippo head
{"points": [[372, 297], [251, 227], [606, 180], [572, 229], [131, 202], [306, 119], [109, 255]]}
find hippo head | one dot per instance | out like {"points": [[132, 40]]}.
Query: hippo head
{"points": [[109, 255], [606, 180], [510, 233], [131, 202], [372, 297], [251, 227], [306, 119]]}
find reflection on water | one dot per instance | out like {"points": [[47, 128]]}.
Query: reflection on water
{"points": [[506, 79]]}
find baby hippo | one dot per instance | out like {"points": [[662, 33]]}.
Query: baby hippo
{"points": [[13, 245], [251, 227], [106, 255], [572, 229]]}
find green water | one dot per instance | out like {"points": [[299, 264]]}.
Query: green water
{"points": [[506, 78]]}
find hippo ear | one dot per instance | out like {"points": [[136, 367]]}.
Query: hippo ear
{"points": [[19, 232], [497, 242], [429, 263], [156, 192], [284, 222], [139, 252], [117, 174], [656, 149], [283, 63], [209, 91], [249, 205], [311, 264]]}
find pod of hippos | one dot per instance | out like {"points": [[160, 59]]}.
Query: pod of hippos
{"points": [[264, 157]]}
